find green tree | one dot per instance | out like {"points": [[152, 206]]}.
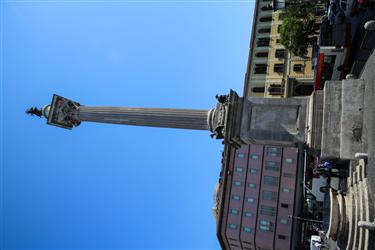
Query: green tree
{"points": [[297, 27]]}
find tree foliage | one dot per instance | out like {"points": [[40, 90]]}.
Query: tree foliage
{"points": [[297, 27]]}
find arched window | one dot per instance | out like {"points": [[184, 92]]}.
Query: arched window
{"points": [[262, 54], [258, 89], [266, 19], [264, 30]]}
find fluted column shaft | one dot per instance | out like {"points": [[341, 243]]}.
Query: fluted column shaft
{"points": [[152, 117]]}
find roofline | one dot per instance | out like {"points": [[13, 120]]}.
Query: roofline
{"points": [[248, 69], [224, 169]]}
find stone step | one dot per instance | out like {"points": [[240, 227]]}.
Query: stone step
{"points": [[366, 208], [361, 214], [350, 203], [355, 218], [363, 173]]}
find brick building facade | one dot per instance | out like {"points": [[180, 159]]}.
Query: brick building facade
{"points": [[256, 197]]}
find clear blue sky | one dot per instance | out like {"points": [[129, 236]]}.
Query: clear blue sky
{"points": [[113, 186]]}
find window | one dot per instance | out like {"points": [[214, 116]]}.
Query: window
{"points": [[247, 229], [272, 166], [278, 41], [239, 169], [240, 155], [267, 7], [252, 185], [285, 190], [297, 68], [280, 53], [273, 151], [265, 225], [275, 89], [260, 69], [232, 226], [281, 237], [236, 197], [284, 205], [263, 42], [269, 195], [267, 210], [248, 214], [253, 171], [250, 199], [270, 180], [281, 16], [278, 67], [288, 175], [289, 160], [237, 183], [258, 90], [261, 54], [265, 19], [283, 221], [254, 156], [264, 30], [234, 211]]}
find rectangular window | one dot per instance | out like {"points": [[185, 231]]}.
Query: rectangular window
{"points": [[253, 171], [284, 205], [265, 225], [289, 160], [232, 226], [248, 214], [283, 221], [240, 155], [252, 185], [273, 151], [281, 237], [267, 210], [254, 156], [287, 175], [237, 183], [263, 42], [269, 196], [270, 180], [250, 199], [239, 169], [272, 166], [247, 229], [234, 211], [260, 68], [297, 67], [278, 67], [236, 197], [280, 53], [285, 190]]}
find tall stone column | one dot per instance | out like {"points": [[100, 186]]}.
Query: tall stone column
{"points": [[152, 117], [223, 121]]}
